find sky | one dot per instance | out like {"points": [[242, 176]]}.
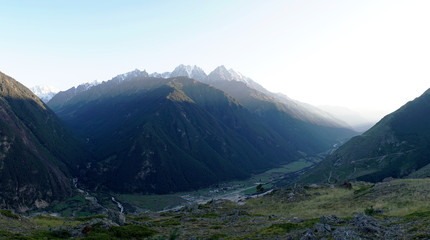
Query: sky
{"points": [[370, 56]]}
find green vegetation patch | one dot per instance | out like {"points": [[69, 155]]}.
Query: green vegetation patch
{"points": [[88, 218], [166, 222], [363, 189], [283, 227], [421, 236], [8, 213], [75, 206], [49, 221], [122, 232], [217, 236], [417, 215]]}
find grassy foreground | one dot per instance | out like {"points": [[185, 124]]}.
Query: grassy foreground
{"points": [[400, 210]]}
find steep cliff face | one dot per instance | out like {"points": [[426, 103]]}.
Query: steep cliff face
{"points": [[36, 151]]}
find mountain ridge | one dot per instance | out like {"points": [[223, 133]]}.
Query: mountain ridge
{"points": [[187, 130], [295, 108], [396, 147]]}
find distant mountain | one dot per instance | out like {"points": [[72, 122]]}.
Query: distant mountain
{"points": [[292, 115], [37, 154], [158, 135], [312, 129], [228, 81], [397, 146], [160, 75], [193, 72], [63, 96], [352, 118], [45, 93]]}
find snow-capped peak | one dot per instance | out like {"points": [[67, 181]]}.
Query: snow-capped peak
{"points": [[189, 71], [160, 75], [221, 73], [44, 92], [237, 76], [134, 73], [85, 86]]}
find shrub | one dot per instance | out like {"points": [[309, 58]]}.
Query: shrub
{"points": [[174, 234], [369, 211], [8, 213], [260, 188]]}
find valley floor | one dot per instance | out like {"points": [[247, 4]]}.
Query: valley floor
{"points": [[398, 209]]}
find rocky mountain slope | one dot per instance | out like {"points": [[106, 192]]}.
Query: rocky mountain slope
{"points": [[312, 129], [291, 118], [37, 153], [162, 135], [138, 125], [397, 146]]}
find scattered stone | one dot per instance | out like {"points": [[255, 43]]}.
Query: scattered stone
{"points": [[116, 217], [333, 220], [343, 233], [366, 224], [308, 235], [193, 208], [297, 220], [322, 228], [103, 223], [271, 216], [388, 179]]}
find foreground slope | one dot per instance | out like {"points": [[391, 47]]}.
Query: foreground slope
{"points": [[366, 211], [397, 146], [36, 151], [160, 135]]}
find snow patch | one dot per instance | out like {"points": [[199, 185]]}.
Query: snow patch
{"points": [[44, 92]]}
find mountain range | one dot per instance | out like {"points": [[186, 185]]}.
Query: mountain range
{"points": [[184, 130], [354, 119], [159, 135]]}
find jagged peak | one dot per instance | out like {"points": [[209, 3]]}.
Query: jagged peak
{"points": [[221, 73], [189, 71], [160, 75]]}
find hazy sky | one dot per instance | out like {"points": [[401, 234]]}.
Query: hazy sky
{"points": [[365, 55]]}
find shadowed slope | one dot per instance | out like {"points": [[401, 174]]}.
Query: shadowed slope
{"points": [[36, 151], [397, 146]]}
